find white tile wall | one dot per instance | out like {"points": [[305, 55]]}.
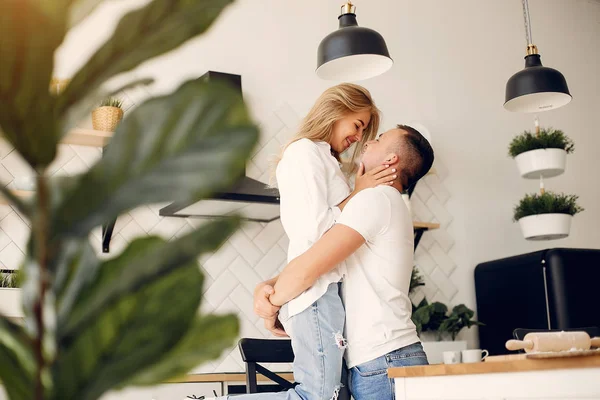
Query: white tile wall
{"points": [[254, 253]]}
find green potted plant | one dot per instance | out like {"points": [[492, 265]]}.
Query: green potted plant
{"points": [[10, 295], [91, 325], [546, 215], [108, 114], [541, 154], [437, 327]]}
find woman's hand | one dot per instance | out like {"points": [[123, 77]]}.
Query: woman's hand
{"points": [[382, 175], [262, 305], [274, 326]]}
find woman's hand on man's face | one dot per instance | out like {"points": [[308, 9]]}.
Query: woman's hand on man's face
{"points": [[381, 175]]}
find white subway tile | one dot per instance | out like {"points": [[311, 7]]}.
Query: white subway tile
{"points": [[11, 256], [269, 236], [270, 262], [245, 247], [220, 289], [16, 229]]}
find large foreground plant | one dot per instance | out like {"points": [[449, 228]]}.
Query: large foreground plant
{"points": [[92, 325]]}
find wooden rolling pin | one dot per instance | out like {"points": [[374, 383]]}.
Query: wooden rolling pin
{"points": [[535, 342]]}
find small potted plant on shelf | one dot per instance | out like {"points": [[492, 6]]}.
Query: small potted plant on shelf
{"points": [[108, 115], [541, 154], [547, 215], [10, 295]]}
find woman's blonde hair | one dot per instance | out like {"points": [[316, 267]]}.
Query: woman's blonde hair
{"points": [[334, 104]]}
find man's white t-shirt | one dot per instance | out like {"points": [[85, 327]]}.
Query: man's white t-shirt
{"points": [[375, 288], [311, 185]]}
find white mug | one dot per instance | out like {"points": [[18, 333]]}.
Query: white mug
{"points": [[474, 355], [451, 357]]}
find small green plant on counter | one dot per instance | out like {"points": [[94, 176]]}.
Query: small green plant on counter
{"points": [[547, 139], [111, 102], [429, 317], [435, 318], [460, 317], [546, 203]]}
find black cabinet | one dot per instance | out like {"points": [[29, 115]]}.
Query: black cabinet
{"points": [[549, 289]]}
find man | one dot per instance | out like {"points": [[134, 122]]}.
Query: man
{"points": [[374, 234]]}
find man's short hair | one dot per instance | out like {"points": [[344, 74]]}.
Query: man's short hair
{"points": [[416, 157]]}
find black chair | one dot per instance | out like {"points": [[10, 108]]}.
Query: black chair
{"points": [[256, 351]]}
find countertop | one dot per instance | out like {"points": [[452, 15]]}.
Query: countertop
{"points": [[495, 367]]}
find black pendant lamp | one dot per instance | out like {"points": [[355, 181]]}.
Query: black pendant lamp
{"points": [[536, 88], [352, 53]]}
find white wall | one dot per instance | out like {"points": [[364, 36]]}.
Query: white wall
{"points": [[452, 60]]}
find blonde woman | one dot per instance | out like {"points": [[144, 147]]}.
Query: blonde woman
{"points": [[313, 191]]}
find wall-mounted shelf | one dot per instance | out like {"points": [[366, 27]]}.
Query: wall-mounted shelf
{"points": [[421, 227], [86, 137], [425, 225], [80, 137], [22, 194]]}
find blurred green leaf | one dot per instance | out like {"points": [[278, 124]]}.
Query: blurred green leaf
{"points": [[24, 207], [179, 147], [80, 9], [76, 267], [30, 32], [142, 34], [17, 363], [135, 329], [144, 261], [206, 340]]}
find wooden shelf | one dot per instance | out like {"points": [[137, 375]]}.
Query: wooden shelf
{"points": [[421, 227], [86, 137], [23, 194], [425, 225]]}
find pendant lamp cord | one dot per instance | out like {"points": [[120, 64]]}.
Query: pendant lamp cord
{"points": [[527, 19]]}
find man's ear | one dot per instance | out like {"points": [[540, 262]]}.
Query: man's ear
{"points": [[391, 158]]}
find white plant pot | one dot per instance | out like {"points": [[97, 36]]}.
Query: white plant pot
{"points": [[546, 226], [10, 303], [434, 350], [544, 162]]}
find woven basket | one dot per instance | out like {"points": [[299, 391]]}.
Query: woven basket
{"points": [[106, 118]]}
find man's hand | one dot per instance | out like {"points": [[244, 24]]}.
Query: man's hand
{"points": [[274, 326], [262, 305]]}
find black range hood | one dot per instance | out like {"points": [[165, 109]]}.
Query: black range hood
{"points": [[253, 200]]}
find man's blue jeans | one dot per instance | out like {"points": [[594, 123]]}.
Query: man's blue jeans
{"points": [[369, 381], [318, 346]]}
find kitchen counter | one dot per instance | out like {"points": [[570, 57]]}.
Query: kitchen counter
{"points": [[496, 367], [556, 378]]}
